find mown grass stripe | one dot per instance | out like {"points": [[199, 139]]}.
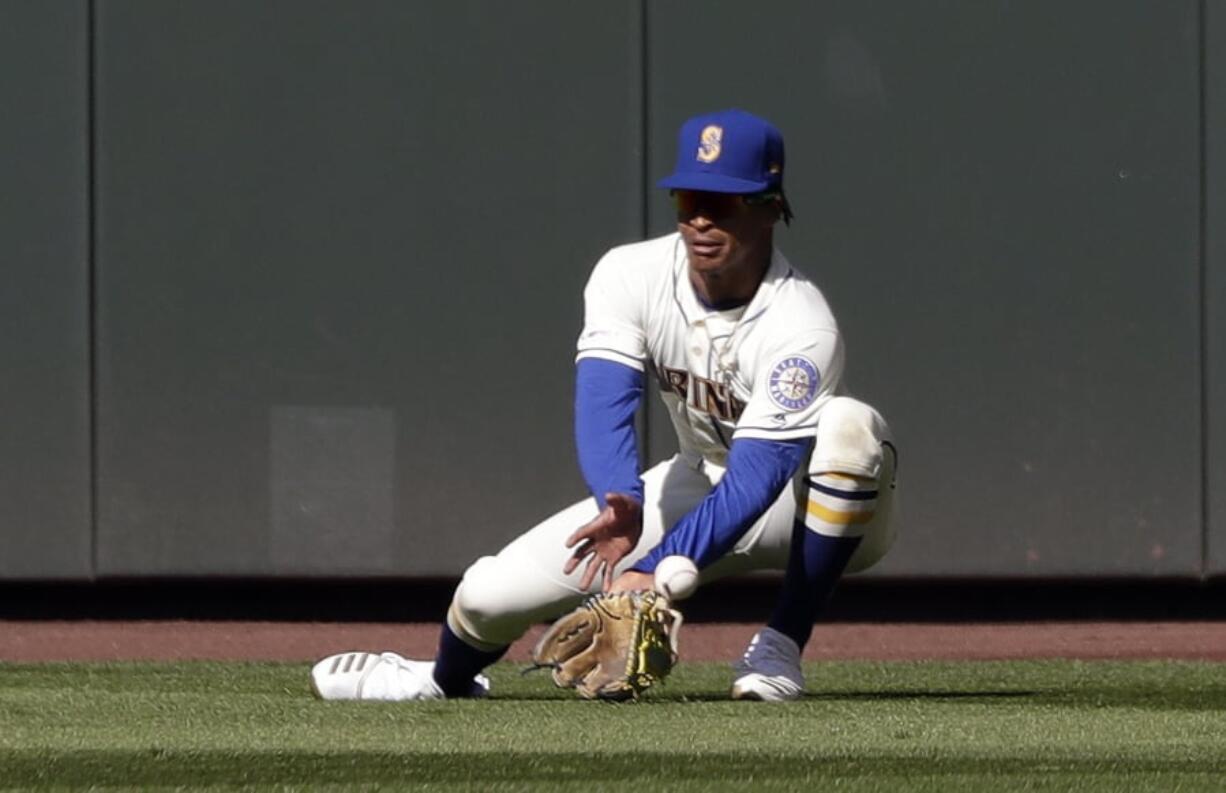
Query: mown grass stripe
{"points": [[1029, 725]]}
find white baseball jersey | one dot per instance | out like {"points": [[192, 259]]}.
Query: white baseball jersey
{"points": [[762, 370]]}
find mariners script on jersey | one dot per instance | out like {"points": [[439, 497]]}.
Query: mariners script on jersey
{"points": [[761, 370]]}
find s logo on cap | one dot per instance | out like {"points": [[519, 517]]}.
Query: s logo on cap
{"points": [[709, 143]]}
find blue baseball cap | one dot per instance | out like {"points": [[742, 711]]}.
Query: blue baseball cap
{"points": [[728, 152]]}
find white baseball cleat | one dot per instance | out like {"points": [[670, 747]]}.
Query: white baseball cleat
{"points": [[385, 677], [770, 669]]}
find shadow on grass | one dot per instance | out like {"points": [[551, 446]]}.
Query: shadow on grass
{"points": [[1212, 700], [1208, 699], [924, 694], [35, 768], [663, 697]]}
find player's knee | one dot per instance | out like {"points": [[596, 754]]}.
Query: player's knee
{"points": [[847, 439], [479, 611], [478, 596]]}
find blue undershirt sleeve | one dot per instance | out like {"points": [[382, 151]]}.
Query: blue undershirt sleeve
{"points": [[757, 471], [607, 396]]}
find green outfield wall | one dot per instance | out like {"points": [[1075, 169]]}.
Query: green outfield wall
{"points": [[46, 314], [293, 286]]}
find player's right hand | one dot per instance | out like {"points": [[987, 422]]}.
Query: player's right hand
{"points": [[606, 540]]}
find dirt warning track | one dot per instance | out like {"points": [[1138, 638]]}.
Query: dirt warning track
{"points": [[172, 640]]}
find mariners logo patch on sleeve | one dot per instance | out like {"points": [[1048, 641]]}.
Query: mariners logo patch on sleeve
{"points": [[793, 383]]}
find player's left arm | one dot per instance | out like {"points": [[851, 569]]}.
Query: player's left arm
{"points": [[758, 470]]}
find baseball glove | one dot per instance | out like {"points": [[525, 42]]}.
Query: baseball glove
{"points": [[613, 646]]}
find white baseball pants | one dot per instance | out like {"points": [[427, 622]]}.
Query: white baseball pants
{"points": [[501, 596]]}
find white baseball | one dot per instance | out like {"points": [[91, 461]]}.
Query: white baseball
{"points": [[676, 577]]}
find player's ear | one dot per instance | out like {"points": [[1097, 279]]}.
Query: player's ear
{"points": [[774, 211]]}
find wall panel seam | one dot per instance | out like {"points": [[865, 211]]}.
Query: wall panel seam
{"points": [[642, 89], [1203, 278], [91, 220]]}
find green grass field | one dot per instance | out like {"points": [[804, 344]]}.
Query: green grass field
{"points": [[1051, 725]]}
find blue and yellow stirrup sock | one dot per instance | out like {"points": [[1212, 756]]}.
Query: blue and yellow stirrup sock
{"points": [[823, 540]]}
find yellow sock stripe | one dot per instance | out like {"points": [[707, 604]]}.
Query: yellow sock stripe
{"points": [[839, 517]]}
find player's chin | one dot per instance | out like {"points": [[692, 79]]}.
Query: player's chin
{"points": [[708, 259]]}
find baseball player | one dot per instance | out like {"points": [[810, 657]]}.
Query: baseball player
{"points": [[776, 469]]}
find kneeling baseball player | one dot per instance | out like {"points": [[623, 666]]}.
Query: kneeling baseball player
{"points": [[776, 469]]}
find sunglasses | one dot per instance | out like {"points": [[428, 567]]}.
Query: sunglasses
{"points": [[691, 203]]}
